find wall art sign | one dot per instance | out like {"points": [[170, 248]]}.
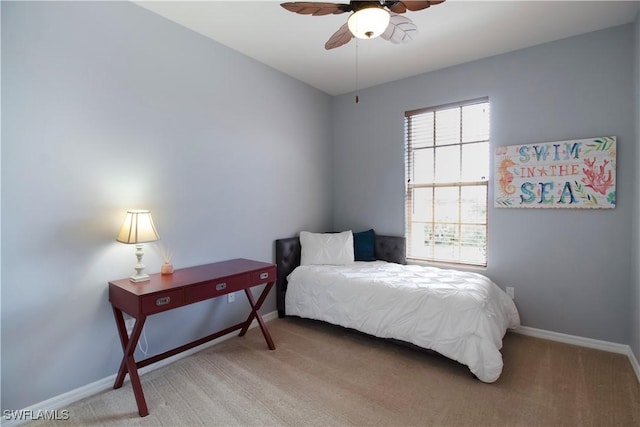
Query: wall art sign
{"points": [[566, 174]]}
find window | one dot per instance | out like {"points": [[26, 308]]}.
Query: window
{"points": [[447, 167]]}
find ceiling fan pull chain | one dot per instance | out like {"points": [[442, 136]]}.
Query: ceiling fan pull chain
{"points": [[357, 97]]}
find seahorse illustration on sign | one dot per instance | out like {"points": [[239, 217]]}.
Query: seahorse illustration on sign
{"points": [[506, 177]]}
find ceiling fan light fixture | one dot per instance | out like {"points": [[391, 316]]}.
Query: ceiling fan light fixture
{"points": [[369, 22]]}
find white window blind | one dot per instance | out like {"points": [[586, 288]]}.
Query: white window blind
{"points": [[447, 170]]}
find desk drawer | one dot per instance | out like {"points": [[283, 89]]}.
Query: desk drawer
{"points": [[264, 276], [216, 288], [162, 301]]}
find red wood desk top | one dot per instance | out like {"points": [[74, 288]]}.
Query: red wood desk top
{"points": [[188, 285], [191, 276]]}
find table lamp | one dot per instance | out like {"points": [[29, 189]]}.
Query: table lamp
{"points": [[137, 229]]}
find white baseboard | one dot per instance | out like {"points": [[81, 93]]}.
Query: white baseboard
{"points": [[583, 342], [65, 399]]}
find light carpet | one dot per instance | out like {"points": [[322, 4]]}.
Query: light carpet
{"points": [[323, 375]]}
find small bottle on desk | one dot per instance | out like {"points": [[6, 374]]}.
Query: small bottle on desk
{"points": [[166, 268]]}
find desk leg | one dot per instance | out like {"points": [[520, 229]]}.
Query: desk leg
{"points": [[255, 312], [128, 364]]}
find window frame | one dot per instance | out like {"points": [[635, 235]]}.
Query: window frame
{"points": [[434, 184]]}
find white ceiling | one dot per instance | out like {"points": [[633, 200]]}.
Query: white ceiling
{"points": [[451, 33]]}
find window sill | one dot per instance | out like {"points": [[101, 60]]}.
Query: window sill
{"points": [[442, 264]]}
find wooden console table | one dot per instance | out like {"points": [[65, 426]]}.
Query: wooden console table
{"points": [[183, 287]]}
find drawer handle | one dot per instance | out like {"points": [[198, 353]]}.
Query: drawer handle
{"points": [[221, 286], [264, 275], [163, 301]]}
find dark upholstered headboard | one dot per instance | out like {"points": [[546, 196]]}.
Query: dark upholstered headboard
{"points": [[387, 248]]}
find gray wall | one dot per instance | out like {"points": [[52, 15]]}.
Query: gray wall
{"points": [[635, 278], [570, 268], [107, 107]]}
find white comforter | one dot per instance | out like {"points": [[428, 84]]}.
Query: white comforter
{"points": [[460, 315]]}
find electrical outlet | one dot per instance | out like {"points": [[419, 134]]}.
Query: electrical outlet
{"points": [[510, 292], [231, 297], [129, 323]]}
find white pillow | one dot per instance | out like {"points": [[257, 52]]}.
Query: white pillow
{"points": [[326, 248]]}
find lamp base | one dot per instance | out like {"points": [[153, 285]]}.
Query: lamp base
{"points": [[139, 278]]}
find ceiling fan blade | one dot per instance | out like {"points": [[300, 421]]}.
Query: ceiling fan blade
{"points": [[396, 6], [403, 6], [316, 9], [339, 38], [400, 30], [419, 5]]}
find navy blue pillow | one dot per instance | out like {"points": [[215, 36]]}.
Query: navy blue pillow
{"points": [[364, 245]]}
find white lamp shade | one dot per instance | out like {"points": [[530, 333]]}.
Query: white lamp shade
{"points": [[368, 23], [138, 228]]}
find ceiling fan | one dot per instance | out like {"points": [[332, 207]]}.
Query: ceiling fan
{"points": [[368, 20]]}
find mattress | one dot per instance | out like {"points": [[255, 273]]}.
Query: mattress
{"points": [[461, 315]]}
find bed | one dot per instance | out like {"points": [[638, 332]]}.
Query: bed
{"points": [[461, 315]]}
